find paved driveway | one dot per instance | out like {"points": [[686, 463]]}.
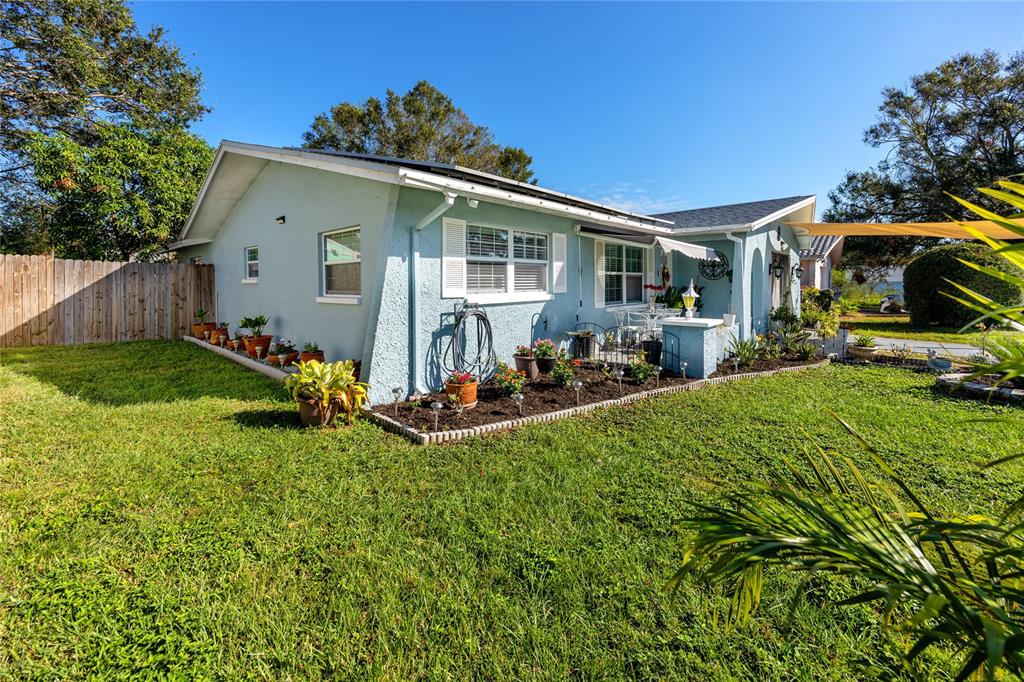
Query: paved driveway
{"points": [[960, 350]]}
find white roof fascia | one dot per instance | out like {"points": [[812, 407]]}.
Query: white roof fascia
{"points": [[782, 212], [202, 191]]}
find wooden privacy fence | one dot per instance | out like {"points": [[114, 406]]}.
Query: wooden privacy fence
{"points": [[48, 301]]}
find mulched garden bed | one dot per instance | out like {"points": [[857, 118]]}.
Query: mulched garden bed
{"points": [[541, 396], [727, 368]]}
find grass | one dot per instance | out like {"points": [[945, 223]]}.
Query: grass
{"points": [[899, 327], [161, 515]]}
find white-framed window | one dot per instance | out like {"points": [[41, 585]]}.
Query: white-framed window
{"points": [[252, 264], [496, 266], [341, 261], [623, 274]]}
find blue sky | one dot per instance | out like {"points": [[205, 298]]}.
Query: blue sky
{"points": [[649, 106]]}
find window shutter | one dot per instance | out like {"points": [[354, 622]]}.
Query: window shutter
{"points": [[598, 273], [558, 273], [453, 258]]}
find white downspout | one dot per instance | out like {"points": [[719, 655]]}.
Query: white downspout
{"points": [[414, 266], [739, 266]]}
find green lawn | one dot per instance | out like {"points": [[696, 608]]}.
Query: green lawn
{"points": [[162, 515], [899, 327]]}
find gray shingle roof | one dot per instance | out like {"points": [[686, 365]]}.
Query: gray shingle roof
{"points": [[732, 214], [820, 246]]}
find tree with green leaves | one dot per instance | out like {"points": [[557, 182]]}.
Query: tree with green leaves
{"points": [[132, 188], [957, 127], [71, 72], [950, 582], [423, 124]]}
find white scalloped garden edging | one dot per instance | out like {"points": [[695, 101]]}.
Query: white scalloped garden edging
{"points": [[424, 438]]}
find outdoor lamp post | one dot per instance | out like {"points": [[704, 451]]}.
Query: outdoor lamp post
{"points": [[436, 407], [577, 385], [397, 392], [690, 297], [518, 397]]}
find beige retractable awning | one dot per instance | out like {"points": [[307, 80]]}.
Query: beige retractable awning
{"points": [[686, 248], [945, 230]]}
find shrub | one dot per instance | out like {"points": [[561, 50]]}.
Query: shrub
{"points": [[805, 350], [864, 341], [783, 315], [828, 324], [926, 276], [745, 351], [563, 371], [509, 379], [640, 369]]}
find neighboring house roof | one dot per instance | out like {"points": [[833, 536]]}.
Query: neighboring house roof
{"points": [[735, 215], [820, 247]]}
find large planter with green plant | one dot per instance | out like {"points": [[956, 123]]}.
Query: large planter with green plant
{"points": [[256, 344], [545, 354], [863, 347], [652, 351], [324, 390], [201, 326]]}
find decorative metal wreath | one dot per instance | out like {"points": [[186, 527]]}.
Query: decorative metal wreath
{"points": [[715, 269]]}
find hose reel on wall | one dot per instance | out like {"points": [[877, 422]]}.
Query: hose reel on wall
{"points": [[471, 347]]}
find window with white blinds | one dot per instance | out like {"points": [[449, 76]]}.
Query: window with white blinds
{"points": [[491, 266], [623, 274]]}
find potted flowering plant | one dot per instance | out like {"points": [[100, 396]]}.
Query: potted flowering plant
{"points": [[311, 351], [525, 362], [282, 350], [545, 354], [256, 339], [461, 386], [510, 381]]}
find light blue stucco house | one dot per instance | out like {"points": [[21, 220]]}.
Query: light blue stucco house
{"points": [[373, 257]]}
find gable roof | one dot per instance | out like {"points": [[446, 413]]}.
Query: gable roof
{"points": [[733, 215], [236, 165], [820, 246]]}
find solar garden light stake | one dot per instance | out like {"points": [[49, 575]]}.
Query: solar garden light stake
{"points": [[397, 392], [577, 385], [206, 333], [436, 407], [518, 397], [657, 375], [259, 351], [684, 370], [620, 373]]}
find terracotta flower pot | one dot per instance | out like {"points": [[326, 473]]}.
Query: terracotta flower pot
{"points": [[528, 365], [252, 341], [465, 392], [198, 329], [217, 334], [275, 360], [312, 414], [306, 357], [545, 365]]}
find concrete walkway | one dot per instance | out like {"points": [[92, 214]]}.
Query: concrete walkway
{"points": [[959, 350]]}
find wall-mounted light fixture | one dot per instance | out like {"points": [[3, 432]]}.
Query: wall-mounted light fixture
{"points": [[280, 220], [777, 269], [798, 271]]}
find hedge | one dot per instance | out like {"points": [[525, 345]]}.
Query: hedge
{"points": [[926, 275]]}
